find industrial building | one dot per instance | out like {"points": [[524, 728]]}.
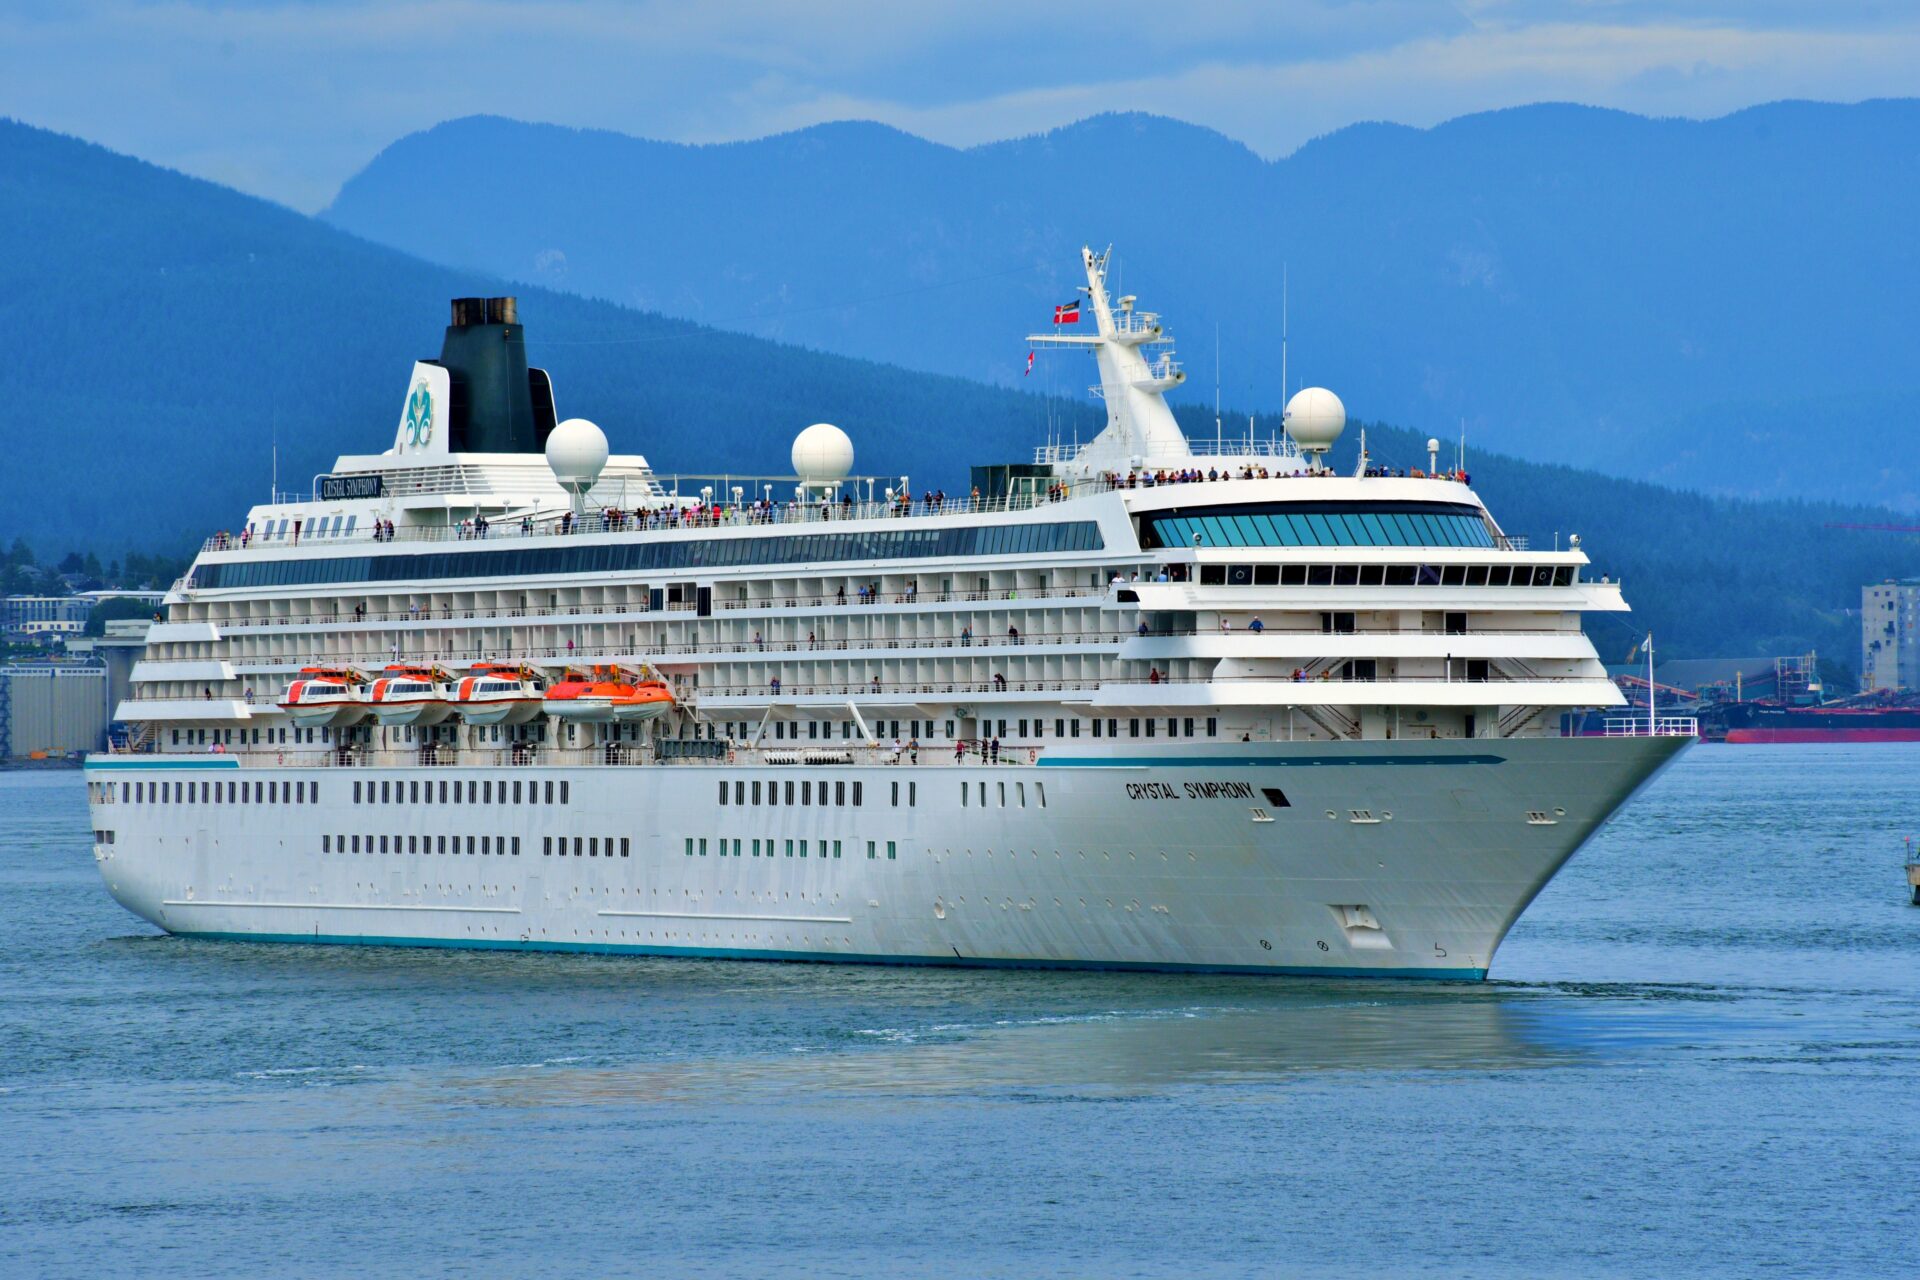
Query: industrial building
{"points": [[1890, 635], [52, 708], [118, 650]]}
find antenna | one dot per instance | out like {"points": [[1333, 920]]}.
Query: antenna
{"points": [[1218, 437], [1283, 333], [1652, 689]]}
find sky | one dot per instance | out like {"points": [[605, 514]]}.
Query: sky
{"points": [[288, 98]]}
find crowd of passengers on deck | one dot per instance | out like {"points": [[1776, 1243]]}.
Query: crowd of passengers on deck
{"points": [[709, 515], [1139, 478]]}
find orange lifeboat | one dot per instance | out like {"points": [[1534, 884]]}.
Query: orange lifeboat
{"points": [[405, 695], [493, 693], [322, 697], [607, 695]]}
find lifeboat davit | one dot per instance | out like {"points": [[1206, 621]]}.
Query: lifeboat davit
{"points": [[495, 694], [607, 695], [405, 695], [323, 697]]}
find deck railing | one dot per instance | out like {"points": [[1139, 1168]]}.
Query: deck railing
{"points": [[1661, 727]]}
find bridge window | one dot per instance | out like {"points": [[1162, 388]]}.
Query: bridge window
{"points": [[1319, 524]]}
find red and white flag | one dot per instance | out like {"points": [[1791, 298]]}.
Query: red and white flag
{"points": [[1029, 372], [1067, 312]]}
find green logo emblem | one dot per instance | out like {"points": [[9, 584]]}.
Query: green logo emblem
{"points": [[419, 422]]}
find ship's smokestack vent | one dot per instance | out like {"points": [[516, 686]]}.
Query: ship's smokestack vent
{"points": [[498, 404], [474, 311]]}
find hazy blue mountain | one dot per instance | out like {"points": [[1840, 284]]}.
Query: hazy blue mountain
{"points": [[163, 332], [1669, 299]]}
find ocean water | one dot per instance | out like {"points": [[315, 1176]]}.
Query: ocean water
{"points": [[1699, 1054]]}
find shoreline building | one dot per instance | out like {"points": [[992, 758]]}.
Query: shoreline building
{"points": [[44, 617], [52, 709], [1890, 636]]}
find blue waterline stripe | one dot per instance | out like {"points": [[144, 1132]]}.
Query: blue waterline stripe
{"points": [[1252, 762], [814, 957], [210, 761]]}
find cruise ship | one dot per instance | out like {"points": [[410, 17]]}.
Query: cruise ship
{"points": [[1145, 702]]}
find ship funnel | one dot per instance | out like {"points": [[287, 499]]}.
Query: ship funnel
{"points": [[499, 405]]}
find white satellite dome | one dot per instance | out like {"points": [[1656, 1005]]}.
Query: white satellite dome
{"points": [[822, 453], [1315, 418], [576, 453]]}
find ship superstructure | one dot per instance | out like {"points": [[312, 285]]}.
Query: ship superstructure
{"points": [[1145, 702]]}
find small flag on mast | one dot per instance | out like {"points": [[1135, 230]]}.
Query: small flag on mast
{"points": [[1067, 312], [1029, 372]]}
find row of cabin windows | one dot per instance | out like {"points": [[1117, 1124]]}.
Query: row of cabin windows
{"points": [[1173, 727], [807, 791], [527, 560], [696, 847], [486, 791], [1024, 728], [221, 791], [1386, 575], [972, 793], [804, 792], [281, 735], [1342, 623], [583, 846], [820, 730], [484, 846]]}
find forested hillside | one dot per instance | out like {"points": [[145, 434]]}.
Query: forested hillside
{"points": [[165, 332], [1726, 305]]}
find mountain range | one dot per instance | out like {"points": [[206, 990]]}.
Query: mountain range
{"points": [[1727, 305], [167, 338]]}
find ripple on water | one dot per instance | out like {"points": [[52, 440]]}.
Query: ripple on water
{"points": [[1695, 1057]]}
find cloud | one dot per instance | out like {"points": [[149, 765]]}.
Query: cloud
{"points": [[287, 98]]}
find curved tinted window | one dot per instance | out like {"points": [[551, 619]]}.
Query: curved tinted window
{"points": [[1319, 524]]}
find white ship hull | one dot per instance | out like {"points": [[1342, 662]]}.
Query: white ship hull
{"points": [[1390, 858], [329, 715], [605, 711], [425, 711], [501, 711]]}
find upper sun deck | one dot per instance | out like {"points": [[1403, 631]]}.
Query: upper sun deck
{"points": [[272, 531], [1097, 522]]}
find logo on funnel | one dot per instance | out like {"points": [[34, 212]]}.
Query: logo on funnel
{"points": [[419, 422]]}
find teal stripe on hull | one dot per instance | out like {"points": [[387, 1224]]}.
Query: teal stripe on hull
{"points": [[209, 761], [1254, 762], [814, 957]]}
